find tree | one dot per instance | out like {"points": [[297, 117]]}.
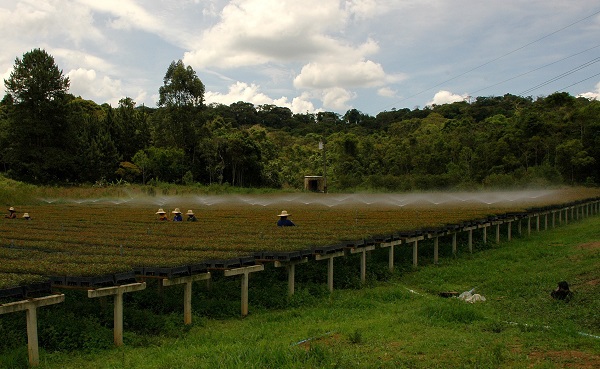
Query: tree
{"points": [[41, 139], [36, 79], [181, 87]]}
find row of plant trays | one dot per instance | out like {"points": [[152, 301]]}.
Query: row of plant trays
{"points": [[107, 280], [29, 291]]}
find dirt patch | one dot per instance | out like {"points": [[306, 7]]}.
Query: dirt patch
{"points": [[589, 246], [566, 359]]}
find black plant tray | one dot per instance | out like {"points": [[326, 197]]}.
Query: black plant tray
{"points": [[322, 250], [124, 278], [353, 243], [167, 272], [57, 280], [38, 289], [12, 292], [93, 281], [247, 261], [198, 268], [224, 264]]}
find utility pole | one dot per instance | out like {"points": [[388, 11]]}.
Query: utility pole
{"points": [[322, 147]]}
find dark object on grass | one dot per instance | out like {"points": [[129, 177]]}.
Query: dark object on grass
{"points": [[562, 292], [448, 294]]}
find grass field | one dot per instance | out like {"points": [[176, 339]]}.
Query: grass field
{"points": [[402, 322]]}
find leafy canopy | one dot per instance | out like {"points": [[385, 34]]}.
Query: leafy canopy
{"points": [[36, 78], [181, 87]]}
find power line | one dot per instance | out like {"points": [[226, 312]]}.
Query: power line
{"points": [[498, 58], [535, 70], [556, 78], [576, 83]]}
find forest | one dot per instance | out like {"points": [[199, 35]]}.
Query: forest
{"points": [[49, 136]]}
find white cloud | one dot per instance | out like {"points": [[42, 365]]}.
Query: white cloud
{"points": [[446, 97], [336, 98], [251, 93], [254, 32], [592, 95], [326, 75], [87, 84], [387, 92]]}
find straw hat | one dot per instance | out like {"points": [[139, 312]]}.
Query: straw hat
{"points": [[25, 215], [11, 209], [176, 211], [189, 212], [284, 214], [161, 211]]}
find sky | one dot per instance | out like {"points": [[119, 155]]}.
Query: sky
{"points": [[313, 55]]}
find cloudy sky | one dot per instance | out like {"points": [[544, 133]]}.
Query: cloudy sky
{"points": [[314, 55]]}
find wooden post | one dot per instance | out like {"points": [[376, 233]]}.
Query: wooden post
{"points": [[471, 240], [415, 242], [363, 260], [519, 227], [454, 243], [498, 232], [545, 221], [509, 230], [435, 250], [528, 225], [485, 234], [30, 306], [553, 218], [329, 258], [290, 266], [560, 216], [537, 222], [244, 272], [117, 292], [187, 292], [391, 252]]}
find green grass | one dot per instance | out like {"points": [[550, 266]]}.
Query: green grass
{"points": [[400, 323]]}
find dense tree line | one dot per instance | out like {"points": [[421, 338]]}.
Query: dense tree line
{"points": [[47, 135]]}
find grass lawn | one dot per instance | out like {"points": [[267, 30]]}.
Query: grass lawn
{"points": [[403, 323]]}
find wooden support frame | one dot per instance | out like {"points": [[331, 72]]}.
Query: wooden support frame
{"points": [[454, 236], [187, 292], [485, 233], [363, 260], [244, 272], [390, 245], [117, 292], [30, 307], [470, 230], [290, 266], [415, 248], [329, 258], [498, 231], [509, 230]]}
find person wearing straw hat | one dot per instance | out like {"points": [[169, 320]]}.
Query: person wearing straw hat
{"points": [[26, 216], [284, 221], [162, 215], [11, 213], [177, 217], [190, 216]]}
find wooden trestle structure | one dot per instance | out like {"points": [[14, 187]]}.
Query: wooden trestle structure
{"points": [[541, 218]]}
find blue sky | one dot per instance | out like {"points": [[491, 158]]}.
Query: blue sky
{"points": [[314, 55]]}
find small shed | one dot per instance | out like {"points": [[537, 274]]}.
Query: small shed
{"points": [[314, 183]]}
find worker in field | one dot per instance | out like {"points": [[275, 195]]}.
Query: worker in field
{"points": [[26, 216], [162, 215], [284, 221], [177, 215], [190, 216], [12, 214]]}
